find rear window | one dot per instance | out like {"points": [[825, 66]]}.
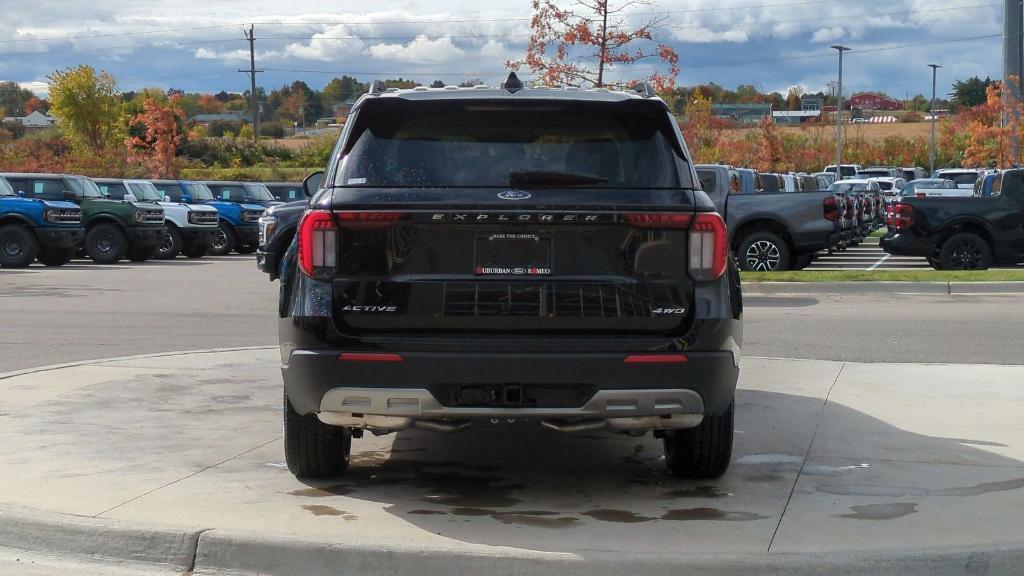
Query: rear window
{"points": [[500, 144], [961, 178], [708, 180]]}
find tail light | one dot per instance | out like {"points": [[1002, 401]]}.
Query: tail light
{"points": [[709, 251], [658, 220], [832, 209], [902, 216], [318, 235], [317, 242], [888, 216]]}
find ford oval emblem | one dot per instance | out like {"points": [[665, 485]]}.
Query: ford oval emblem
{"points": [[514, 195]]}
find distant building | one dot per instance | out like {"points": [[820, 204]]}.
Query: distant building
{"points": [[742, 113], [868, 101], [810, 103], [34, 120], [795, 116], [207, 119]]}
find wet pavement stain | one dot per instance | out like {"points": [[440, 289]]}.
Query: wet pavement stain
{"points": [[314, 492], [536, 521], [986, 488], [474, 500], [617, 516], [881, 511], [713, 514], [427, 513], [710, 492], [319, 510], [765, 478]]}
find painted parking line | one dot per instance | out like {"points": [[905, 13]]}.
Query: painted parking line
{"points": [[879, 263]]}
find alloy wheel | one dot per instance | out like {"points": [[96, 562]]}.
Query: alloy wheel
{"points": [[763, 256], [13, 248], [166, 243], [220, 240]]}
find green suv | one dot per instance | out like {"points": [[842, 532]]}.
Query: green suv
{"points": [[114, 229]]}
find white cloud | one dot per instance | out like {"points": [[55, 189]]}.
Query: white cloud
{"points": [[421, 50], [828, 34]]}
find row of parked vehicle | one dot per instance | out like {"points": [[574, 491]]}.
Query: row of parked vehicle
{"points": [[54, 217], [773, 229]]}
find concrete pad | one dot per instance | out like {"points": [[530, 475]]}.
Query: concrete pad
{"points": [[194, 441]]}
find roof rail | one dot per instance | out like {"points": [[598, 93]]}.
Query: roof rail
{"points": [[377, 86], [643, 88]]}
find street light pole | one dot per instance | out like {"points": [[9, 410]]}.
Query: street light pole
{"points": [[931, 108], [839, 114]]}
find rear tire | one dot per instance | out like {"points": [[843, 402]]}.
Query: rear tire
{"points": [[934, 263], [170, 245], [18, 246], [965, 251], [105, 244], [704, 451], [313, 449], [224, 242], [52, 257], [763, 251]]}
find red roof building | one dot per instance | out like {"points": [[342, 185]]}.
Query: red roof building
{"points": [[868, 101]]}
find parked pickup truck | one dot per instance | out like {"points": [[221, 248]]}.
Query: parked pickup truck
{"points": [[278, 225], [482, 255], [962, 233], [237, 225], [190, 229], [49, 230], [114, 229], [935, 187], [773, 231]]}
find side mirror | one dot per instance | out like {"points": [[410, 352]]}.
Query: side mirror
{"points": [[68, 195], [21, 194], [129, 197], [312, 183]]}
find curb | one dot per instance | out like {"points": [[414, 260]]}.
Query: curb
{"points": [[866, 287], [75, 538], [72, 539], [26, 371]]}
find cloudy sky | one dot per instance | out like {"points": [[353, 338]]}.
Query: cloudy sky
{"points": [[197, 45]]}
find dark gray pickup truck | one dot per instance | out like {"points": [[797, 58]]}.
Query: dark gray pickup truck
{"points": [[771, 231]]}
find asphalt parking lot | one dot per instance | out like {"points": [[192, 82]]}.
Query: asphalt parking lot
{"points": [[866, 256], [83, 311]]}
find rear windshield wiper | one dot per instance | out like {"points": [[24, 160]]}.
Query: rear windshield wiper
{"points": [[553, 179]]}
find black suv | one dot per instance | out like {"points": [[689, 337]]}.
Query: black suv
{"points": [[487, 254]]}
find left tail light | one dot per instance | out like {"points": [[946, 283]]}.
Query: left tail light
{"points": [[709, 247], [317, 242]]}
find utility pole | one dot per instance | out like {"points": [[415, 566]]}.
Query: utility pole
{"points": [[931, 108], [839, 114], [1013, 68], [254, 105]]}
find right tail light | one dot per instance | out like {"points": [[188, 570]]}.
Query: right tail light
{"points": [[318, 235], [709, 247], [902, 216]]}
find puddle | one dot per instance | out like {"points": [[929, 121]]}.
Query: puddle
{"points": [[712, 514], [769, 459], [914, 492], [881, 511], [473, 500], [618, 516], [711, 492], [427, 513], [318, 510]]}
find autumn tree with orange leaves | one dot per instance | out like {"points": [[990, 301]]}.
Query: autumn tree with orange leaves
{"points": [[579, 46], [157, 148]]}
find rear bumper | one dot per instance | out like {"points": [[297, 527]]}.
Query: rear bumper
{"points": [[199, 237], [905, 244], [317, 381], [60, 238], [816, 236], [141, 236]]}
